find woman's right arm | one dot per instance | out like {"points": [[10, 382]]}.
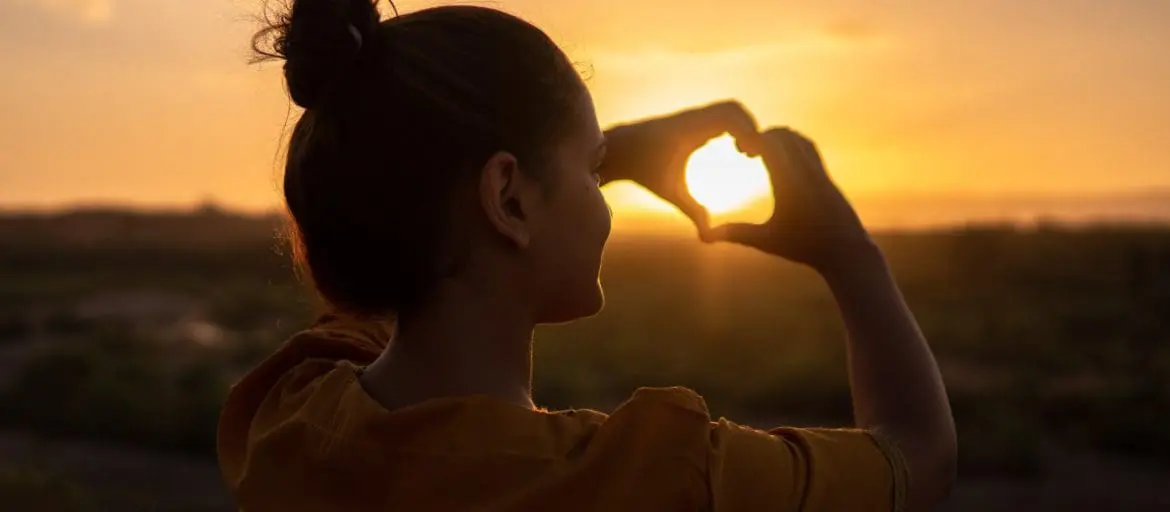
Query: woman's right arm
{"points": [[896, 386]]}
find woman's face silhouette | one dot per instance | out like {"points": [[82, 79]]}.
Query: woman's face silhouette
{"points": [[573, 225]]}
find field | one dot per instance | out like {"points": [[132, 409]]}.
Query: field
{"points": [[120, 332]]}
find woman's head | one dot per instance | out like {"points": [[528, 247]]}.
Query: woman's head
{"points": [[452, 146]]}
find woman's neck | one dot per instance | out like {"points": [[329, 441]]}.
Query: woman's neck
{"points": [[458, 346]]}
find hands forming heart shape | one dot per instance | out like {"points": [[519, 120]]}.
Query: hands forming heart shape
{"points": [[654, 152], [811, 223]]}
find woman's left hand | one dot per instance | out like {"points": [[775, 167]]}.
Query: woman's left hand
{"points": [[653, 152]]}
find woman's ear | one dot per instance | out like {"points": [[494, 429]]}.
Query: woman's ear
{"points": [[507, 197]]}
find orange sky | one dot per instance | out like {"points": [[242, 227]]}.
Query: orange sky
{"points": [[152, 102]]}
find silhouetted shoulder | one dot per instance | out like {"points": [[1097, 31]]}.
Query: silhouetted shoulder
{"points": [[676, 397]]}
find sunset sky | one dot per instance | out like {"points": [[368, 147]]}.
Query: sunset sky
{"points": [[152, 102]]}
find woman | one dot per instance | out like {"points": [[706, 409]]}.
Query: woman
{"points": [[443, 182]]}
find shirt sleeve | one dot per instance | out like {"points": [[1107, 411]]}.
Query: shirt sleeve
{"points": [[811, 470]]}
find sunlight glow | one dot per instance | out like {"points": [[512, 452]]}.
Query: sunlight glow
{"points": [[723, 179]]}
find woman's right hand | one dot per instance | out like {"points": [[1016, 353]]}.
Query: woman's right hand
{"points": [[812, 222], [896, 386]]}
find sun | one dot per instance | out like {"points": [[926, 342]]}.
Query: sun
{"points": [[725, 180]]}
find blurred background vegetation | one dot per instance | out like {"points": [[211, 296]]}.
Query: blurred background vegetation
{"points": [[120, 333]]}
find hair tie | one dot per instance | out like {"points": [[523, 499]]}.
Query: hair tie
{"points": [[357, 36]]}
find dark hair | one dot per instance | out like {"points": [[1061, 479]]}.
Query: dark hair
{"points": [[399, 113]]}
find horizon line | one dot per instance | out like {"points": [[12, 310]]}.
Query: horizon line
{"points": [[914, 196]]}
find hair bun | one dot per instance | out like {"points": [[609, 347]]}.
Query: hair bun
{"points": [[320, 41]]}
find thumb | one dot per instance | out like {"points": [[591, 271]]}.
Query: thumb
{"points": [[694, 211], [736, 232]]}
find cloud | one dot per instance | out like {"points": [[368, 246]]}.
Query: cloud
{"points": [[89, 11], [813, 45], [851, 30]]}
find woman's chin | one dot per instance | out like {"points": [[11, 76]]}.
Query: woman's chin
{"points": [[574, 306]]}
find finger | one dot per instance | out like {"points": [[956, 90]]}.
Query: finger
{"points": [[710, 121], [779, 151], [740, 124], [736, 232], [694, 211], [810, 153], [790, 153]]}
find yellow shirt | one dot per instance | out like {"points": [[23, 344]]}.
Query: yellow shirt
{"points": [[300, 433]]}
